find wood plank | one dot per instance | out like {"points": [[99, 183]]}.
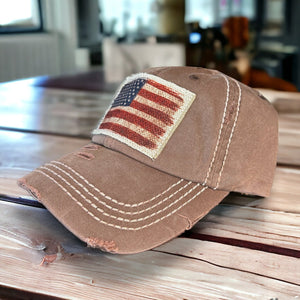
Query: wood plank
{"points": [[50, 110], [253, 261], [252, 225], [84, 273], [284, 194], [284, 102], [289, 139], [271, 221], [29, 150]]}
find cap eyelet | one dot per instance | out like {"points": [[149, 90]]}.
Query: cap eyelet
{"points": [[193, 77]]}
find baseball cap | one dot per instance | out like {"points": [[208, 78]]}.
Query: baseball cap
{"points": [[174, 142]]}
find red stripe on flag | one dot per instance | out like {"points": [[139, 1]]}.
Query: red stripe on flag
{"points": [[129, 134], [152, 112], [165, 89], [158, 99], [134, 119]]}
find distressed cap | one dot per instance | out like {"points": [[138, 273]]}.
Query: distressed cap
{"points": [[174, 142]]}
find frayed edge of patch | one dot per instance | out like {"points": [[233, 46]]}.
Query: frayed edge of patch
{"points": [[107, 246]]}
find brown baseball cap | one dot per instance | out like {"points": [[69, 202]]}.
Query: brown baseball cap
{"points": [[174, 142]]}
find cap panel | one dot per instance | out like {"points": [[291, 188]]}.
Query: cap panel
{"points": [[114, 209], [193, 143], [226, 132], [217, 142], [251, 156]]}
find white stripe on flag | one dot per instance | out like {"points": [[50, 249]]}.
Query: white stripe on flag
{"points": [[141, 114], [161, 93], [141, 131], [154, 105]]}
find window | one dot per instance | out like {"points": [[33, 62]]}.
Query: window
{"points": [[20, 16], [210, 13], [274, 17], [121, 17]]}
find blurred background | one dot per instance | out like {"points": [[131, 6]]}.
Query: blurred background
{"points": [[255, 41]]}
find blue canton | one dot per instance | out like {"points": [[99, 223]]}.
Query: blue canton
{"points": [[128, 92]]}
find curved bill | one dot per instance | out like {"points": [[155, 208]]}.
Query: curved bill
{"points": [[116, 203]]}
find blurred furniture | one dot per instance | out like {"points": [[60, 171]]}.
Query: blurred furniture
{"points": [[279, 61], [259, 73], [236, 29], [227, 50], [123, 59], [259, 78], [245, 248]]}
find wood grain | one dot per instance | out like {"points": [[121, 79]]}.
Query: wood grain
{"points": [[253, 261], [289, 139], [49, 110], [272, 221], [29, 234], [29, 150], [284, 102]]}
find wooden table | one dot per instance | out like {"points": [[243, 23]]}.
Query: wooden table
{"points": [[246, 248]]}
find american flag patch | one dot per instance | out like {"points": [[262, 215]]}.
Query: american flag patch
{"points": [[145, 112]]}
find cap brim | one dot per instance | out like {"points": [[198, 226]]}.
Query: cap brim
{"points": [[116, 203]]}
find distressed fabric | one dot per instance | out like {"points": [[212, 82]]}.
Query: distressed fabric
{"points": [[124, 194], [145, 113]]}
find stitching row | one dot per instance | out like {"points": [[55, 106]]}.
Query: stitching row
{"points": [[114, 216], [114, 200], [220, 130], [105, 204], [231, 134], [124, 227]]}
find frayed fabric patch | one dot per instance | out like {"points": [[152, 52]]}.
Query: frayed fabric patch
{"points": [[145, 113]]}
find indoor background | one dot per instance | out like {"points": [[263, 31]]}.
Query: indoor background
{"points": [[254, 41]]}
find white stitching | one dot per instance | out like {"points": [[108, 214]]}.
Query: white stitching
{"points": [[220, 131], [231, 134], [114, 225], [114, 200], [105, 204], [113, 216]]}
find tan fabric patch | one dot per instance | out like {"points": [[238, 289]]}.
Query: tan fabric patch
{"points": [[145, 112]]}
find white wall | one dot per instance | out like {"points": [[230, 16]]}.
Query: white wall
{"points": [[60, 17], [48, 53]]}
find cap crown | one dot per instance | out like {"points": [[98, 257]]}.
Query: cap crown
{"points": [[226, 137]]}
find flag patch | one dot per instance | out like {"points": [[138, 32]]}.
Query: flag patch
{"points": [[145, 112]]}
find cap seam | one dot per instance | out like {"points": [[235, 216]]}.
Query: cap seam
{"points": [[231, 134], [219, 156], [224, 143], [220, 131]]}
